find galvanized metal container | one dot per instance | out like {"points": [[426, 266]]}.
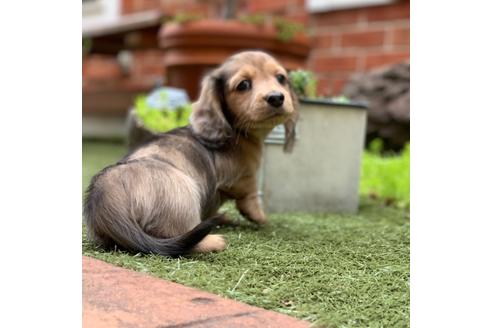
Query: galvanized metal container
{"points": [[322, 173]]}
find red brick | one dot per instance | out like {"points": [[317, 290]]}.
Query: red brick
{"points": [[329, 85], [335, 18], [170, 10], [127, 6], [148, 71], [301, 18], [372, 61], [297, 6], [147, 63], [362, 39], [335, 64], [131, 6], [323, 86], [323, 41], [399, 10], [99, 67], [116, 297], [267, 5], [172, 7], [337, 85], [401, 36], [298, 3]]}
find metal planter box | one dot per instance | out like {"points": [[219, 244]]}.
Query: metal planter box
{"points": [[322, 173]]}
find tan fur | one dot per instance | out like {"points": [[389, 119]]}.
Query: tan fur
{"points": [[165, 188], [145, 152], [237, 169], [211, 243]]}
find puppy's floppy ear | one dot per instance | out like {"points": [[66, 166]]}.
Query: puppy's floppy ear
{"points": [[290, 124], [208, 120]]}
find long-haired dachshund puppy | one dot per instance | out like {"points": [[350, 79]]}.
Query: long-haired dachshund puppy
{"points": [[164, 196]]}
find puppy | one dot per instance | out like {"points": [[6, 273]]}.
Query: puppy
{"points": [[164, 196]]}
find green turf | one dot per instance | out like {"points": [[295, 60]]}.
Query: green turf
{"points": [[96, 155], [334, 270], [387, 177]]}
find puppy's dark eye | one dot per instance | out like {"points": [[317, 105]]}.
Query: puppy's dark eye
{"points": [[280, 78], [244, 85]]}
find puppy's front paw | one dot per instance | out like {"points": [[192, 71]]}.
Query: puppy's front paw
{"points": [[211, 243], [261, 219], [257, 216], [251, 210]]}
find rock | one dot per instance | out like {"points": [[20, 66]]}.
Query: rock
{"points": [[387, 90]]}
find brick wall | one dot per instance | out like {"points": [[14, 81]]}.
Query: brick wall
{"points": [[358, 40], [344, 41], [147, 69], [348, 41]]}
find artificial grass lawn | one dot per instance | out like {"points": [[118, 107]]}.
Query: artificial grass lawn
{"points": [[334, 270], [387, 177]]}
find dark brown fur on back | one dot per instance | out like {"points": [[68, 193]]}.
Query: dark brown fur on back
{"points": [[164, 196]]}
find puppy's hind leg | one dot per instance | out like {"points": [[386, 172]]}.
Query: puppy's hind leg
{"points": [[211, 243]]}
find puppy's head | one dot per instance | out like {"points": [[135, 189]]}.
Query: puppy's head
{"points": [[249, 94]]}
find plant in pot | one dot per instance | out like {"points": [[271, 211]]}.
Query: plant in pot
{"points": [[162, 110], [193, 45], [324, 167]]}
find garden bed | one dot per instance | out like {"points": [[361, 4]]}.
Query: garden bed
{"points": [[335, 270]]}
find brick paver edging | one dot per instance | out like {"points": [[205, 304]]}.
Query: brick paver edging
{"points": [[116, 297]]}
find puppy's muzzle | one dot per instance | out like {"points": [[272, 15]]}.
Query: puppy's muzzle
{"points": [[275, 99]]}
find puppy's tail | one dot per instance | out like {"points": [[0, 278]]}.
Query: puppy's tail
{"points": [[133, 238]]}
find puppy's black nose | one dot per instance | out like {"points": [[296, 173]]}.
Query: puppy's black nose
{"points": [[276, 99]]}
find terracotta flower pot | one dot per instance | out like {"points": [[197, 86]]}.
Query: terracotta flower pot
{"points": [[193, 48]]}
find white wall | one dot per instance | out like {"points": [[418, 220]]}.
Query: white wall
{"points": [[100, 10], [327, 5]]}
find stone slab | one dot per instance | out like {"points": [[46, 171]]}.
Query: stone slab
{"points": [[116, 297]]}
